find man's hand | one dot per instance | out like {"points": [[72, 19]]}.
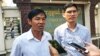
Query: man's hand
{"points": [[53, 51]]}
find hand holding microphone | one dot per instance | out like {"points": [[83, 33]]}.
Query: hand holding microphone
{"points": [[79, 48]]}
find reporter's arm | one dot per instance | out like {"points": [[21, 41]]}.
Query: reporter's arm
{"points": [[93, 50]]}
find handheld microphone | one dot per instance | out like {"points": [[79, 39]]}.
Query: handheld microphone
{"points": [[79, 48], [58, 47]]}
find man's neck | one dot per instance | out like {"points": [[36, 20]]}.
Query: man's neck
{"points": [[37, 34], [71, 26]]}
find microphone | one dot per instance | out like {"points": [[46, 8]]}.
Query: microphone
{"points": [[57, 46], [79, 48]]}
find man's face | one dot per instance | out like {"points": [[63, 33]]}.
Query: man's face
{"points": [[38, 22], [71, 14]]}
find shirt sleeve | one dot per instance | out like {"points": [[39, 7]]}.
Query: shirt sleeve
{"points": [[88, 39], [56, 36], [16, 49]]}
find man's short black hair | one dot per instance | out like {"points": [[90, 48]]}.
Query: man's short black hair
{"points": [[35, 12], [69, 5]]}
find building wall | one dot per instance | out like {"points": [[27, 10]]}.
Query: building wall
{"points": [[99, 16], [87, 16], [96, 39], [6, 39], [2, 46], [97, 19]]}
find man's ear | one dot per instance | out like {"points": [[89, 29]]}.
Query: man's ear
{"points": [[29, 21], [63, 15]]}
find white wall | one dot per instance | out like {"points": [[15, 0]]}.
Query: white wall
{"points": [[8, 3], [11, 12], [97, 19], [87, 16], [99, 16], [2, 46]]}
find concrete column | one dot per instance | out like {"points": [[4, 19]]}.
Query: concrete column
{"points": [[2, 43], [87, 16], [99, 17]]}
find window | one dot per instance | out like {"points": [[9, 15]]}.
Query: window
{"points": [[11, 27]]}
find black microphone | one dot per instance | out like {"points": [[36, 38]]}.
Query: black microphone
{"points": [[57, 46], [79, 48]]}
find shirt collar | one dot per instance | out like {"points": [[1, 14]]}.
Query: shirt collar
{"points": [[31, 36], [66, 26]]}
